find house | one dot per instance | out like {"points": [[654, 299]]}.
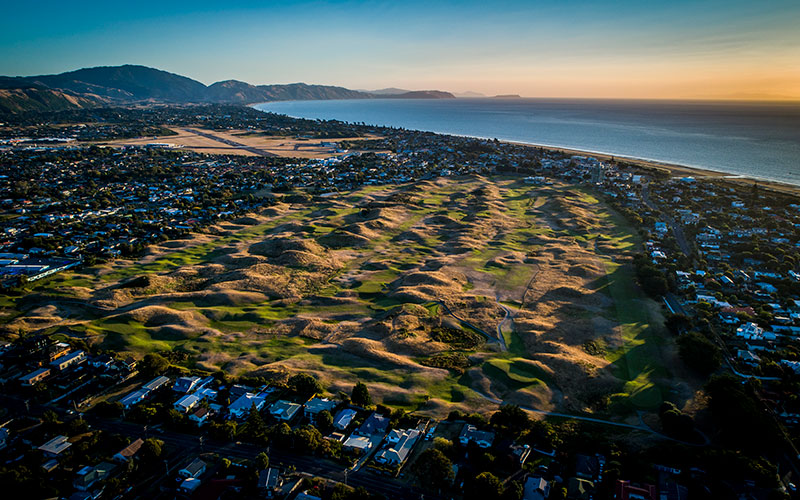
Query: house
{"points": [[343, 419], [57, 350], [269, 481], [90, 475], [155, 384], [360, 444], [580, 489], [317, 405], [536, 488], [50, 465], [238, 391], [748, 357], [374, 424], [241, 406], [306, 496], [129, 452], [469, 432], [199, 416], [35, 377], [519, 453], [185, 384], [206, 394], [625, 490], [103, 361], [133, 398], [186, 403], [196, 468], [4, 434], [284, 410], [750, 331], [67, 360], [55, 446], [189, 486], [397, 452], [588, 467]]}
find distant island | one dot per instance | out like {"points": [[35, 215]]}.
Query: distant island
{"points": [[128, 84], [508, 96]]}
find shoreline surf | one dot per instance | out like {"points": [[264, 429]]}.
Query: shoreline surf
{"points": [[675, 169]]}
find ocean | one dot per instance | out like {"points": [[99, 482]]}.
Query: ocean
{"points": [[757, 140]]}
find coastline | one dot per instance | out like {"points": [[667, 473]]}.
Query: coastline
{"points": [[674, 169]]}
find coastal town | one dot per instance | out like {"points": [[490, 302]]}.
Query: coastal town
{"points": [[719, 257]]}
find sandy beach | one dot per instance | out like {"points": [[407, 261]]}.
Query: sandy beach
{"points": [[678, 170]]}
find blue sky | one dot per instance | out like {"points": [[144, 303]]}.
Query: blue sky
{"points": [[538, 48]]}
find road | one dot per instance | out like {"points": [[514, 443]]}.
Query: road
{"points": [[469, 325], [187, 444], [509, 317], [677, 229]]}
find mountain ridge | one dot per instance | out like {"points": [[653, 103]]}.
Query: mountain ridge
{"points": [[108, 85]]}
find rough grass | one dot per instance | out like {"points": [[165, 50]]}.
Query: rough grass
{"points": [[369, 311]]}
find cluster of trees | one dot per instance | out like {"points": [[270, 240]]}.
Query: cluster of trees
{"points": [[699, 353], [651, 279]]}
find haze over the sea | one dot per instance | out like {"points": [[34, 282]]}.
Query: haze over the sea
{"points": [[758, 140]]}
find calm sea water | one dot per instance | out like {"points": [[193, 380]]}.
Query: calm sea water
{"points": [[760, 140]]}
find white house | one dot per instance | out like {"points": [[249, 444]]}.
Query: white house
{"points": [[55, 446], [133, 398], [241, 406], [360, 444], [186, 403], [343, 419], [397, 452]]}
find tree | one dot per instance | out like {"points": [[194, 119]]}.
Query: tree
{"points": [[699, 353], [281, 434], [324, 421], [485, 485], [444, 445], [434, 469], [153, 365], [304, 385], [262, 461], [513, 491], [254, 427], [108, 409], [677, 323], [152, 448], [360, 395], [510, 419], [307, 438]]}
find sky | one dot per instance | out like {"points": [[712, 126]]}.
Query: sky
{"points": [[674, 49]]}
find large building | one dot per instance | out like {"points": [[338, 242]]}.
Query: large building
{"points": [[35, 377], [67, 360]]}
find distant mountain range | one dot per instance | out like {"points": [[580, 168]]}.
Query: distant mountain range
{"points": [[109, 85]]}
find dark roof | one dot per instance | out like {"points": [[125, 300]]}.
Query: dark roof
{"points": [[268, 478], [195, 467], [586, 466], [374, 424]]}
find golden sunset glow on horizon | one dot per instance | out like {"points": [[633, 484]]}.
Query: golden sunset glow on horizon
{"points": [[680, 49]]}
